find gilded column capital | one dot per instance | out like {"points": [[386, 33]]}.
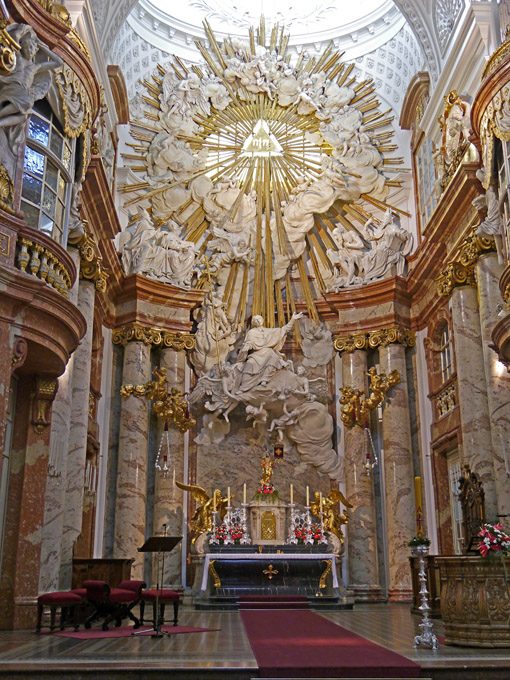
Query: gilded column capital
{"points": [[91, 261], [455, 274], [461, 271], [393, 335], [155, 337], [350, 343]]}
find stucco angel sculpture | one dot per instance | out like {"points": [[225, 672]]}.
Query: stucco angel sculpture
{"points": [[202, 518], [29, 82], [333, 520]]}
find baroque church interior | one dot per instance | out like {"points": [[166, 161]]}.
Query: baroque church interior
{"points": [[255, 338]]}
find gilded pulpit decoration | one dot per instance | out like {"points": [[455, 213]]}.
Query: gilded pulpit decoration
{"points": [[155, 337], [8, 49], [168, 405], [356, 406]]}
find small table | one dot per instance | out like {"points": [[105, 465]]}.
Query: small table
{"points": [[282, 580]]}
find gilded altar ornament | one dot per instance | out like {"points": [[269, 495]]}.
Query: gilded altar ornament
{"points": [[356, 407], [332, 520], [202, 520], [6, 184], [171, 405]]}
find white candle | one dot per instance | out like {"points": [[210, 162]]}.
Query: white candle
{"points": [[291, 494], [320, 501], [214, 501], [307, 496], [244, 493], [228, 496]]}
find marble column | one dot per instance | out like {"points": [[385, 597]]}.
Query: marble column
{"points": [[19, 584], [488, 272], [472, 387], [54, 500], [77, 448], [132, 460], [359, 488], [167, 496], [398, 474]]}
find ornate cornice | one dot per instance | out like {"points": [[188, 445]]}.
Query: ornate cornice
{"points": [[91, 261], [155, 337], [379, 338], [461, 270], [502, 52]]}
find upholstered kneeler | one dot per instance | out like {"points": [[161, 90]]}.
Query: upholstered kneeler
{"points": [[164, 597], [68, 603]]}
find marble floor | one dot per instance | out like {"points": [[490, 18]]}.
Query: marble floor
{"points": [[226, 653]]}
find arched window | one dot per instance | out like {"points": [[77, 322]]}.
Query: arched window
{"points": [[445, 353], [48, 171], [425, 180]]}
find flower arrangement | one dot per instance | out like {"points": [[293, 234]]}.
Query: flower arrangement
{"points": [[235, 533], [266, 491], [302, 532], [493, 539]]}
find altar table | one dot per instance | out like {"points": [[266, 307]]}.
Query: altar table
{"points": [[288, 572]]}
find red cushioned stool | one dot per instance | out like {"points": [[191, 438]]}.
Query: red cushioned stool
{"points": [[163, 597], [112, 604], [68, 603]]}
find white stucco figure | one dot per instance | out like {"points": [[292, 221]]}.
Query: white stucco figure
{"points": [[317, 344], [28, 82], [214, 337], [492, 225], [391, 243], [349, 253]]}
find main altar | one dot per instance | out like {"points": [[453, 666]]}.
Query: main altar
{"points": [[267, 547]]}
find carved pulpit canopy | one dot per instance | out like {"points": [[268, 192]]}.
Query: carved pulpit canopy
{"points": [[472, 499]]}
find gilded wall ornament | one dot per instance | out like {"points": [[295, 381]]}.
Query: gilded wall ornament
{"points": [[461, 270], [156, 337], [350, 343], [91, 261], [356, 406], [42, 398], [6, 190]]}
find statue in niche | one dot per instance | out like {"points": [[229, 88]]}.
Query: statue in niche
{"points": [[215, 335], [29, 82], [455, 123], [202, 517], [333, 520]]}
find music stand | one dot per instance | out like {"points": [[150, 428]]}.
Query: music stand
{"points": [[160, 545]]}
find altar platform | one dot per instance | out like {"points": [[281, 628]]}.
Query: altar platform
{"points": [[225, 654]]}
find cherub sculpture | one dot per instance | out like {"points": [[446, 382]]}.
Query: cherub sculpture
{"points": [[332, 519], [202, 520]]}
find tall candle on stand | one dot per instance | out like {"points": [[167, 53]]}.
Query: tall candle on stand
{"points": [[244, 493], [418, 506], [320, 502], [228, 496], [307, 496], [291, 494], [214, 501]]}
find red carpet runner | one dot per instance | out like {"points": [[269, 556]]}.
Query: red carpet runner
{"points": [[272, 602], [303, 644]]}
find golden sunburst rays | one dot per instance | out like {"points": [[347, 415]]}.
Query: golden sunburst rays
{"points": [[271, 151]]}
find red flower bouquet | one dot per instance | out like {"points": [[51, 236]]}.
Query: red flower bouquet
{"points": [[493, 539]]}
